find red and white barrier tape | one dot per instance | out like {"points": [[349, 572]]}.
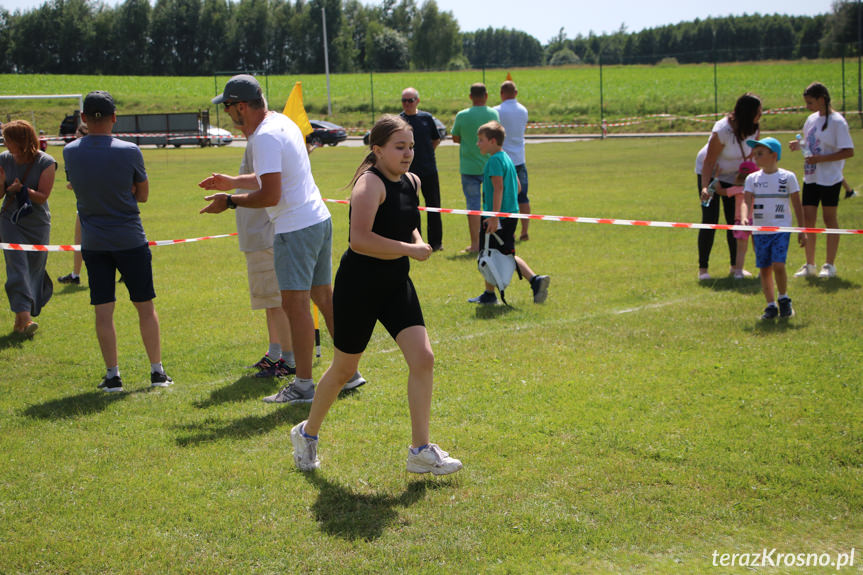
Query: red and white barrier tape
{"points": [[571, 219], [643, 223], [77, 248]]}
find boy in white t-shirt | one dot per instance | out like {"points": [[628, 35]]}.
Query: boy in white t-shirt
{"points": [[768, 195]]}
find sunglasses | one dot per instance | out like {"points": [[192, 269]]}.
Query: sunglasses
{"points": [[408, 100], [229, 104]]}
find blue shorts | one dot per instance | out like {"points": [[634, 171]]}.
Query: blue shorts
{"points": [[770, 248], [472, 188], [304, 258], [521, 172], [135, 267]]}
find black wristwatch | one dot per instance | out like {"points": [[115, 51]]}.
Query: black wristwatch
{"points": [[230, 202]]}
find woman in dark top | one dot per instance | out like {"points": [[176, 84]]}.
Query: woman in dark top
{"points": [[24, 168], [372, 284]]}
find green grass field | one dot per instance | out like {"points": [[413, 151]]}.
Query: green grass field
{"points": [[637, 422], [569, 94]]}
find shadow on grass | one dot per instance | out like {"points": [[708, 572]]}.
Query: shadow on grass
{"points": [[70, 288], [462, 255], [342, 512], [747, 285], [831, 285], [77, 405], [767, 327], [13, 339], [492, 311], [246, 388], [213, 429]]}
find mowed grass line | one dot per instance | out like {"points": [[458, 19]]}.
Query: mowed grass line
{"points": [[636, 422], [567, 94]]}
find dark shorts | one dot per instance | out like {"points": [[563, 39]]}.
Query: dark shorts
{"points": [[770, 248], [521, 172], [506, 233], [368, 290], [826, 195], [135, 267]]}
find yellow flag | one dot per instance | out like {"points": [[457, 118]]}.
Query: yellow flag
{"points": [[509, 77], [295, 110]]}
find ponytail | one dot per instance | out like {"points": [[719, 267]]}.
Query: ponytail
{"points": [[818, 90], [368, 162]]}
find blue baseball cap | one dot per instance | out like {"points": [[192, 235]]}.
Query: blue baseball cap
{"points": [[768, 142]]}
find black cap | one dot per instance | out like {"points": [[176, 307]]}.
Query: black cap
{"points": [[98, 104], [242, 88]]}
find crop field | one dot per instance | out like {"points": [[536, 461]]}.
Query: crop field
{"points": [[637, 422], [570, 94]]}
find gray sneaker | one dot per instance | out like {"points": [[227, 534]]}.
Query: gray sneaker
{"points": [[292, 394], [305, 450], [432, 459], [356, 381]]}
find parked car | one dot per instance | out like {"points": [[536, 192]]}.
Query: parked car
{"points": [[217, 137], [441, 130], [326, 133]]}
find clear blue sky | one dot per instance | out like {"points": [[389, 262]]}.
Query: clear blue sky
{"points": [[543, 18]]}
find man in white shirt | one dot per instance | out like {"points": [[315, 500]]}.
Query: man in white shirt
{"points": [[513, 118], [281, 181]]}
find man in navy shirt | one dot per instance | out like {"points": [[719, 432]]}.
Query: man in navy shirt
{"points": [[426, 141], [109, 181]]}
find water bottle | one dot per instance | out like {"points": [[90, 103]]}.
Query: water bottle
{"points": [[711, 190], [804, 147]]}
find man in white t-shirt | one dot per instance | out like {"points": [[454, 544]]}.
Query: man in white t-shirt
{"points": [[255, 238], [281, 181], [513, 118]]}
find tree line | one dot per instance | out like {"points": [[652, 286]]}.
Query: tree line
{"points": [[195, 37]]}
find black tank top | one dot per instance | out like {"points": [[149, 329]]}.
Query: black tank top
{"points": [[398, 215]]}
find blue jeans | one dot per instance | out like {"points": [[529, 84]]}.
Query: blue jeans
{"points": [[472, 188]]}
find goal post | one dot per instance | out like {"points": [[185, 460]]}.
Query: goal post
{"points": [[78, 97]]}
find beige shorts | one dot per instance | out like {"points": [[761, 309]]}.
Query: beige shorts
{"points": [[263, 286]]}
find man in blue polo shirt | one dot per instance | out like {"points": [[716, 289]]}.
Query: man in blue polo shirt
{"points": [[109, 181]]}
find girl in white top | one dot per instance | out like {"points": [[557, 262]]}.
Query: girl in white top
{"points": [[826, 144], [726, 150]]}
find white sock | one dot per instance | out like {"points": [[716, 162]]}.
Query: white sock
{"points": [[304, 384], [157, 368], [288, 356], [113, 372], [274, 351]]}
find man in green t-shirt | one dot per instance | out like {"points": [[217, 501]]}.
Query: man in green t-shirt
{"points": [[471, 160]]}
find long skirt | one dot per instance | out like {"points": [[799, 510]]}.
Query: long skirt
{"points": [[28, 285]]}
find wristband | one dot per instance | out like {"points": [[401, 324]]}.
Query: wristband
{"points": [[230, 202]]}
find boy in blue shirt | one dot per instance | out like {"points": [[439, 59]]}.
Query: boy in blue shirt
{"points": [[767, 194], [500, 194]]}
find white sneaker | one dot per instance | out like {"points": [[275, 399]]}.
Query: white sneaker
{"points": [[827, 271], [805, 271], [703, 276], [740, 274], [305, 450], [356, 381], [432, 459]]}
